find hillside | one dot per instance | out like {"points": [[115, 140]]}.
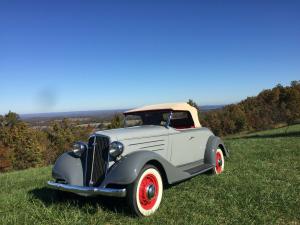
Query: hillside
{"points": [[260, 185], [271, 107]]}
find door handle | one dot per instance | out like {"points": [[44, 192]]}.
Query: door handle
{"points": [[191, 138]]}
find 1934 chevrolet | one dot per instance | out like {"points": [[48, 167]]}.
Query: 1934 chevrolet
{"points": [[160, 144]]}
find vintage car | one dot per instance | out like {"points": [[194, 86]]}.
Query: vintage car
{"points": [[159, 145]]}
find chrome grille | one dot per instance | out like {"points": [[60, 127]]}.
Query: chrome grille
{"points": [[96, 160]]}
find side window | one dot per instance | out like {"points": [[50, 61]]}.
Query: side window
{"points": [[133, 120], [182, 120]]}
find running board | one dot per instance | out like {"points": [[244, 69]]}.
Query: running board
{"points": [[199, 169]]}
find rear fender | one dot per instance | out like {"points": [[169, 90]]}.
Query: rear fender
{"points": [[213, 143]]}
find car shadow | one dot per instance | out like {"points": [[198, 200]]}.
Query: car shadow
{"points": [[52, 197]]}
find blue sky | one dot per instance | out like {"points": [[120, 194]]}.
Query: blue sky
{"points": [[85, 55]]}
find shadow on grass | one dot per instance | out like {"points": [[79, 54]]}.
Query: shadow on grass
{"points": [[87, 204], [90, 205], [276, 135]]}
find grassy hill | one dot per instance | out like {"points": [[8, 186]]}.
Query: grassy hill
{"points": [[260, 185]]}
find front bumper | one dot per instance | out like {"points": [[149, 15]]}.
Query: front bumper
{"points": [[87, 191]]}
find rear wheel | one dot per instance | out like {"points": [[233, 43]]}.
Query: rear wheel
{"points": [[219, 168], [145, 193]]}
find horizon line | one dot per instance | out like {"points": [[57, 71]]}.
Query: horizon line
{"points": [[93, 110]]}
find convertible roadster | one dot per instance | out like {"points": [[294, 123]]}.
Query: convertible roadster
{"points": [[159, 145]]}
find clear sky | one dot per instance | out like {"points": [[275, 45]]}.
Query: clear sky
{"points": [[85, 55]]}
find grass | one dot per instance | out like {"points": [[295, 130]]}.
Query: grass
{"points": [[260, 185]]}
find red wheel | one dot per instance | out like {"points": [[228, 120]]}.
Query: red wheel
{"points": [[145, 194], [219, 168], [148, 191]]}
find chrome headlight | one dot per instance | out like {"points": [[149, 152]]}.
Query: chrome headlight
{"points": [[116, 149], [79, 148]]}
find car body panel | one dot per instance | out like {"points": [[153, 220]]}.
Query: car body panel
{"points": [[127, 169], [69, 169], [188, 145], [213, 143], [179, 154], [137, 132]]}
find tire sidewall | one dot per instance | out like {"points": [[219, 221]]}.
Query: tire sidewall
{"points": [[133, 192], [223, 162]]}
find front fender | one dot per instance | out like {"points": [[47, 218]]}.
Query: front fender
{"points": [[126, 170], [68, 168]]}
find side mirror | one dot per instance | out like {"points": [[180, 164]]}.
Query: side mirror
{"points": [[168, 123]]}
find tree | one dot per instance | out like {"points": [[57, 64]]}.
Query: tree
{"points": [[214, 122], [11, 119], [266, 110], [61, 138], [292, 103], [194, 104], [295, 83], [19, 144], [234, 119], [5, 161], [116, 122]]}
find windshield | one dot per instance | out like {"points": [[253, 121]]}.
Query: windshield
{"points": [[159, 118]]}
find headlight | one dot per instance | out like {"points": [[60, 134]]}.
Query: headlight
{"points": [[116, 149], [79, 148]]}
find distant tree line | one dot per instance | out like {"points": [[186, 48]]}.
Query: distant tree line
{"points": [[22, 146], [271, 107]]}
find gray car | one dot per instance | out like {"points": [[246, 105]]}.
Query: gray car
{"points": [[160, 144]]}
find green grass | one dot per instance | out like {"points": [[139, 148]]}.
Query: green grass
{"points": [[260, 185]]}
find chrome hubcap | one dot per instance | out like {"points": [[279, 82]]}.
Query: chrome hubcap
{"points": [[220, 162], [150, 191]]}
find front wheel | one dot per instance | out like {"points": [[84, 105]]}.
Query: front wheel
{"points": [[145, 193], [219, 168]]}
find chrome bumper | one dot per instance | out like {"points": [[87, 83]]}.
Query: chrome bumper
{"points": [[87, 191]]}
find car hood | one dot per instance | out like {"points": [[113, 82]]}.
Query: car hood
{"points": [[134, 132]]}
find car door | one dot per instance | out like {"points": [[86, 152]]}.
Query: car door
{"points": [[186, 146]]}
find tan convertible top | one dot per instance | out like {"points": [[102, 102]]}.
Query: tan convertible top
{"points": [[179, 106]]}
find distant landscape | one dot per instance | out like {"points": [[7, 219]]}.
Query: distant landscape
{"points": [[34, 140], [72, 114], [92, 118], [90, 114]]}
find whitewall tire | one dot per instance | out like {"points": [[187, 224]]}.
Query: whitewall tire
{"points": [[219, 157], [145, 194]]}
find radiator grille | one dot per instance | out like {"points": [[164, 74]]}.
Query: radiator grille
{"points": [[96, 160]]}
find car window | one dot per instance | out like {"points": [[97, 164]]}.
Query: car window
{"points": [[133, 120], [181, 120], [158, 117], [179, 115]]}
